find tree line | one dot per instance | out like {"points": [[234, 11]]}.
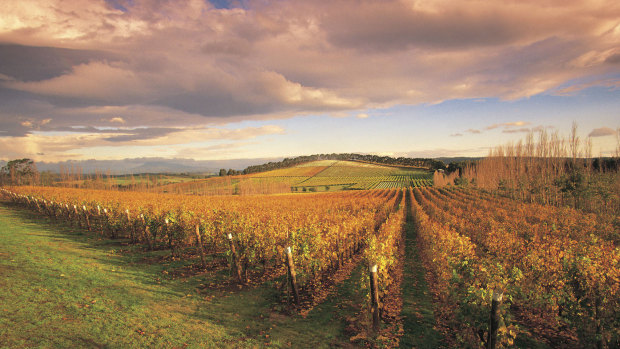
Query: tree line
{"points": [[551, 170], [384, 160]]}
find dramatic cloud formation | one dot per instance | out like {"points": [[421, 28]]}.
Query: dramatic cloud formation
{"points": [[76, 144], [169, 71]]}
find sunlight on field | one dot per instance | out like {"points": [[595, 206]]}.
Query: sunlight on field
{"points": [[314, 176]]}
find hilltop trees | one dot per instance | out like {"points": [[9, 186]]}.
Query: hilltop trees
{"points": [[19, 172], [230, 172], [385, 160]]}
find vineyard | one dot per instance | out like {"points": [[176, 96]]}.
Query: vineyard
{"points": [[322, 231], [315, 176], [555, 271], [558, 267]]}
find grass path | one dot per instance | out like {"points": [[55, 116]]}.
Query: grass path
{"points": [[63, 287], [324, 327], [417, 301]]}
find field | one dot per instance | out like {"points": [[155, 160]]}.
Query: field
{"points": [[440, 254], [315, 176], [139, 182]]}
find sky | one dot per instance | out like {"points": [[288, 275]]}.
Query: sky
{"points": [[115, 79]]}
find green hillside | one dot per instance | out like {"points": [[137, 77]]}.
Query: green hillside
{"points": [[314, 176]]}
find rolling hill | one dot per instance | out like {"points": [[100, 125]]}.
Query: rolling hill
{"points": [[314, 176]]}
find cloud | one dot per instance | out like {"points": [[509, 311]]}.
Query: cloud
{"points": [[527, 129], [212, 92], [44, 22], [32, 124], [602, 132], [163, 66], [169, 136], [33, 63], [507, 125], [130, 135], [574, 89], [95, 81], [518, 130], [117, 119], [362, 116], [398, 25], [218, 151], [613, 59], [78, 143], [198, 59]]}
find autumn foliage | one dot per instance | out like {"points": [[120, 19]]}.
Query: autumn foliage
{"points": [[558, 268]]}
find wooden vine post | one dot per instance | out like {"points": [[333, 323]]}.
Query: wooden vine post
{"points": [[100, 220], [47, 209], [169, 234], [374, 297], [77, 216], [86, 214], [235, 259], [293, 275], [200, 248], [131, 227], [147, 233], [494, 321], [53, 210], [107, 224], [67, 212]]}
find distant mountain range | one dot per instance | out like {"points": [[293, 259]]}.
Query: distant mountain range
{"points": [[150, 165]]}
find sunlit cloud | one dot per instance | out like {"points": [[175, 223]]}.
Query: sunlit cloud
{"points": [[218, 151], [95, 81], [508, 125], [527, 129], [59, 146], [117, 120], [518, 130], [171, 72]]}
